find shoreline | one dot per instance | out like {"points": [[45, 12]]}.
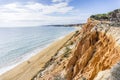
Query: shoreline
{"points": [[28, 68], [27, 57]]}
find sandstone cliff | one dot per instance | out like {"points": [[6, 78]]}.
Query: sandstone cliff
{"points": [[90, 55], [96, 51]]}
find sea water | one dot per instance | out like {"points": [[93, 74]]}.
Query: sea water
{"points": [[19, 44]]}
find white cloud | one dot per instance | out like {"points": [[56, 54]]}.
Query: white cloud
{"points": [[58, 0], [36, 7], [32, 14], [55, 1]]}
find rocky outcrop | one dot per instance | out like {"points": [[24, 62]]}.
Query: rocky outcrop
{"points": [[96, 51], [115, 72], [115, 15], [110, 74], [103, 75]]}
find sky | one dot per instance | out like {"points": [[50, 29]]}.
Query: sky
{"points": [[26, 13]]}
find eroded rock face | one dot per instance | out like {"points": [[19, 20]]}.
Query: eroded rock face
{"points": [[96, 51]]}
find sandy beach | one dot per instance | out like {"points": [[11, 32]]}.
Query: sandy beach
{"points": [[27, 69]]}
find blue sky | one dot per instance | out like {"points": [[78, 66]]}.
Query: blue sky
{"points": [[20, 13]]}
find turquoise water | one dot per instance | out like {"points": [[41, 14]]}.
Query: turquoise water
{"points": [[18, 44]]}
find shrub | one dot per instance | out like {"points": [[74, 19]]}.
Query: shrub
{"points": [[100, 16], [67, 52], [76, 33]]}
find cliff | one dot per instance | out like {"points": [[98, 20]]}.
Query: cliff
{"points": [[92, 54], [96, 51]]}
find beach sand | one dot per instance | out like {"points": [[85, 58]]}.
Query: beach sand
{"points": [[28, 69]]}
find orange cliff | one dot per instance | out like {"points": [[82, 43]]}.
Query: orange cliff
{"points": [[95, 51]]}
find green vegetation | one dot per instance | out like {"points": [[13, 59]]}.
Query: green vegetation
{"points": [[109, 13], [105, 16], [49, 62], [100, 16], [67, 52], [69, 43], [76, 33]]}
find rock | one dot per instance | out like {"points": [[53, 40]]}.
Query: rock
{"points": [[94, 52], [115, 15], [110, 74], [103, 75], [115, 72]]}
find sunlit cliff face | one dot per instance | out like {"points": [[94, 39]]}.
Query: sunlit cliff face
{"points": [[96, 51]]}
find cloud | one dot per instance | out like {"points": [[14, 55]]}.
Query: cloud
{"points": [[33, 14], [35, 19], [35, 7], [58, 0]]}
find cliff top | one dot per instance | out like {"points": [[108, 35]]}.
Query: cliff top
{"points": [[110, 16]]}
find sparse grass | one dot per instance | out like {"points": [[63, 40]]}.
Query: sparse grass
{"points": [[76, 33], [69, 43], [67, 52], [49, 62]]}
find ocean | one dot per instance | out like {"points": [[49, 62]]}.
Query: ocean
{"points": [[19, 44]]}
